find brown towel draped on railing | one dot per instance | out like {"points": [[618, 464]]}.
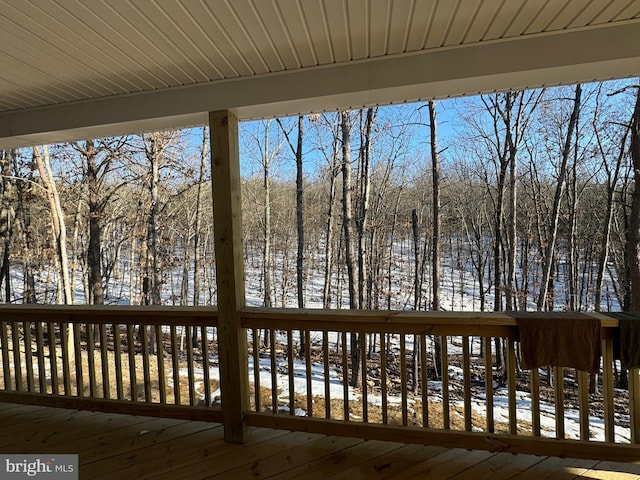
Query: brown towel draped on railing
{"points": [[546, 340], [627, 348]]}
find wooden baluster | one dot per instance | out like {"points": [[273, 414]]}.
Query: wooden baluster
{"points": [[42, 375], [77, 347], [131, 349], [160, 361], [365, 386], [255, 339], [290, 372], [488, 384], [383, 378], [558, 390], [274, 372], [146, 365], [28, 356], [327, 379], [424, 381], [53, 358], [403, 379], [634, 404], [175, 364], [66, 367], [91, 363], [608, 391], [204, 351], [191, 379], [466, 375], [583, 404], [104, 356], [117, 351], [309, 374], [6, 363], [511, 380], [17, 358], [446, 420], [345, 378], [534, 380]]}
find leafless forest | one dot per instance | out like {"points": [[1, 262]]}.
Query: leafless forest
{"points": [[510, 201]]}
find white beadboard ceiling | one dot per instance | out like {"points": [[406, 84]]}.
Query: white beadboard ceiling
{"points": [[74, 68]]}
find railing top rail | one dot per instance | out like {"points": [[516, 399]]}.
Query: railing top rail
{"points": [[118, 314], [386, 321]]}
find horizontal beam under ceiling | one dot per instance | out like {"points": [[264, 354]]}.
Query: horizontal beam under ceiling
{"points": [[606, 52]]}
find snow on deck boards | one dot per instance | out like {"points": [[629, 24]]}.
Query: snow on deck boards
{"points": [[125, 446]]}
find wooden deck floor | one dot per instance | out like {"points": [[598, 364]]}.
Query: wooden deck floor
{"points": [[127, 447]]}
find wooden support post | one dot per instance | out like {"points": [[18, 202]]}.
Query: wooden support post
{"points": [[225, 172]]}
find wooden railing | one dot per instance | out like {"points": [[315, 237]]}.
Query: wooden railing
{"points": [[424, 377], [151, 361], [403, 395]]}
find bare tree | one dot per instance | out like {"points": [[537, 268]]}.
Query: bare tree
{"points": [[633, 239], [97, 164], [267, 152], [549, 252], [364, 193], [57, 220], [347, 226], [7, 218], [333, 167]]}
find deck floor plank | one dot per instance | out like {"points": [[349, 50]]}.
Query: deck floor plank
{"points": [[301, 452], [34, 429], [557, 468], [500, 466], [447, 464], [614, 471], [338, 461], [118, 446], [177, 450], [24, 415], [15, 407], [226, 460], [392, 463], [115, 438]]}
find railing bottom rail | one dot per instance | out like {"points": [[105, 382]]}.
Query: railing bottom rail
{"points": [[184, 412], [451, 439]]}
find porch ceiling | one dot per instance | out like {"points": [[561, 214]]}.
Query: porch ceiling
{"points": [[91, 68]]}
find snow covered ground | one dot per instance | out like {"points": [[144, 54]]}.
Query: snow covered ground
{"points": [[478, 401], [459, 292]]}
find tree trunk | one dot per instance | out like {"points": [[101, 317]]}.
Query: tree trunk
{"points": [[94, 257], [300, 217], [550, 250], [512, 149], [197, 254], [266, 222], [57, 219], [7, 219], [612, 181], [347, 223], [152, 275], [60, 236], [572, 200], [297, 152], [347, 211], [435, 169], [328, 247], [633, 239], [435, 252], [364, 191]]}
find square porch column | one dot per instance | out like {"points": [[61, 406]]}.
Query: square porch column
{"points": [[227, 213]]}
